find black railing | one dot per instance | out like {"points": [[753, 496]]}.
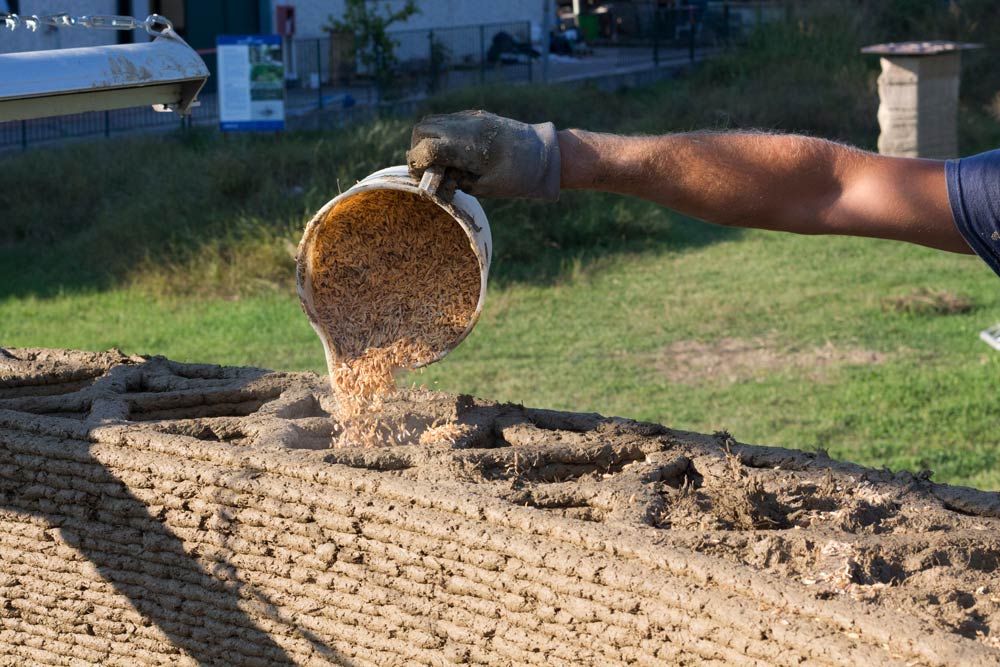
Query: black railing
{"points": [[668, 35]]}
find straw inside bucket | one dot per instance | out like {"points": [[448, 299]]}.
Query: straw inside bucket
{"points": [[394, 283]]}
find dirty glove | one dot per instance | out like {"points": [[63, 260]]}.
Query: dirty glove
{"points": [[488, 155]]}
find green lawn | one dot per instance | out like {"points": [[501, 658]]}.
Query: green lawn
{"points": [[182, 246]]}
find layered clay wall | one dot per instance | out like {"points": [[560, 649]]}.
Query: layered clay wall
{"points": [[158, 513]]}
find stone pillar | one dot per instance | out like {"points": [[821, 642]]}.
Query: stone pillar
{"points": [[918, 98]]}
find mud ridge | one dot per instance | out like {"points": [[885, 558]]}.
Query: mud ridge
{"points": [[158, 513]]}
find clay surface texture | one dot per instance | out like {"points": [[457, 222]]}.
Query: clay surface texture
{"points": [[159, 513]]}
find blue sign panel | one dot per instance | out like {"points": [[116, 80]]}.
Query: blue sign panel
{"points": [[251, 82]]}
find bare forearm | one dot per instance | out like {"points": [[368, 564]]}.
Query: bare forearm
{"points": [[781, 182], [731, 179]]}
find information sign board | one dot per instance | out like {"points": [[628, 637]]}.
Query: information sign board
{"points": [[251, 82]]}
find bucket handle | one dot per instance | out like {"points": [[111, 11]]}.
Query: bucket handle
{"points": [[431, 180]]}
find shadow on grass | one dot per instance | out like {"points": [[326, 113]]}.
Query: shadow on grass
{"points": [[93, 216], [539, 243], [534, 242]]}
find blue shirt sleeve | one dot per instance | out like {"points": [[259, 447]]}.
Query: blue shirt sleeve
{"points": [[974, 195]]}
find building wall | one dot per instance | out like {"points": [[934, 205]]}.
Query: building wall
{"points": [[64, 38]]}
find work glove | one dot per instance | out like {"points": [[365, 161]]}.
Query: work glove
{"points": [[487, 155]]}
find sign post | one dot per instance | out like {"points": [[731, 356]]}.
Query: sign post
{"points": [[251, 83]]}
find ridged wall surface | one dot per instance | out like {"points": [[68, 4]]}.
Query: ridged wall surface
{"points": [[157, 513]]}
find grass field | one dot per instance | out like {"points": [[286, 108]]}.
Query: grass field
{"points": [[826, 360], [868, 349]]}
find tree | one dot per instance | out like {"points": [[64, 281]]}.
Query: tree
{"points": [[373, 46]]}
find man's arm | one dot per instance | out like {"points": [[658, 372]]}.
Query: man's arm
{"points": [[779, 182]]}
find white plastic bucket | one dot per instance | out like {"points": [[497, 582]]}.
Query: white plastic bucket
{"points": [[464, 210]]}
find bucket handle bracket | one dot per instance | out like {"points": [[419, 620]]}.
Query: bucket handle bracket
{"points": [[431, 180]]}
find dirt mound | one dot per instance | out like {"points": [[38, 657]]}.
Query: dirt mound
{"points": [[153, 512]]}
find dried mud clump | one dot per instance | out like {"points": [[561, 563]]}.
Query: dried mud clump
{"points": [[395, 282]]}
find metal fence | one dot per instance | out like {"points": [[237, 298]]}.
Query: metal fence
{"points": [[106, 123], [325, 70], [328, 83], [664, 35]]}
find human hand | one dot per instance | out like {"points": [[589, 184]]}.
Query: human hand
{"points": [[488, 155]]}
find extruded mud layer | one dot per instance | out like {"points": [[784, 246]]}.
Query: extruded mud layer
{"points": [[157, 513]]}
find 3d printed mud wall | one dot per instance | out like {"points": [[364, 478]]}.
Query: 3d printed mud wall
{"points": [[157, 513]]}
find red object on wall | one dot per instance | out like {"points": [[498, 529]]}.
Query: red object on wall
{"points": [[284, 22]]}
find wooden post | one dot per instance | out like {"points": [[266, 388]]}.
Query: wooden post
{"points": [[546, 37]]}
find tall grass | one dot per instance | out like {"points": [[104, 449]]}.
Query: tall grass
{"points": [[94, 215]]}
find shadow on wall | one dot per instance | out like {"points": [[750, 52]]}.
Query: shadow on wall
{"points": [[202, 612], [165, 582]]}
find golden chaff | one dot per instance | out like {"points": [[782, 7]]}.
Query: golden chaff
{"points": [[395, 281]]}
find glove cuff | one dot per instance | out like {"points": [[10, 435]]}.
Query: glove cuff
{"points": [[548, 187]]}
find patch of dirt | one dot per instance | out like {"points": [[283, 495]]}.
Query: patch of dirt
{"points": [[926, 301], [195, 514], [731, 360]]}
